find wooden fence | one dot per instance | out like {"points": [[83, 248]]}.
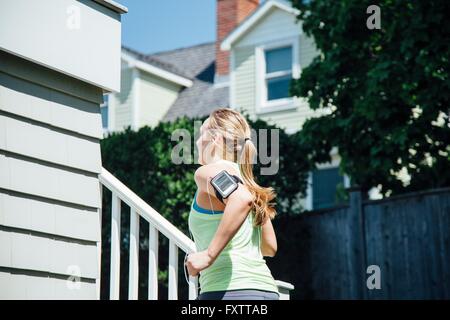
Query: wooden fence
{"points": [[332, 253]]}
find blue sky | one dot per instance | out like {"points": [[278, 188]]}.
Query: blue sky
{"points": [[158, 25]]}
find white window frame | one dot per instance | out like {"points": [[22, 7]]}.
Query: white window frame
{"points": [[262, 104], [108, 106]]}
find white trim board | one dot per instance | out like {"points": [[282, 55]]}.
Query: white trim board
{"points": [[289, 103], [136, 96], [169, 76]]}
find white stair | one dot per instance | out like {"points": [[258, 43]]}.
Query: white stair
{"points": [[158, 224]]}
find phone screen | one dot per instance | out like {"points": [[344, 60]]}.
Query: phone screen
{"points": [[223, 182]]}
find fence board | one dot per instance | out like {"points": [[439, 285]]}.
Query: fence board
{"points": [[407, 236]]}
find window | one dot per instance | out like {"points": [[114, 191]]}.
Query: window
{"points": [[324, 184], [104, 111], [277, 63], [278, 73]]}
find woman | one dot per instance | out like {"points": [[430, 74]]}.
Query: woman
{"points": [[232, 236]]}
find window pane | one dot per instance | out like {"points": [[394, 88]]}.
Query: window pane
{"points": [[278, 88], [278, 59], [105, 99], [324, 186], [104, 112]]}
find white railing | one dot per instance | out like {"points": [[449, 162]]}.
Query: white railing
{"points": [[157, 224]]}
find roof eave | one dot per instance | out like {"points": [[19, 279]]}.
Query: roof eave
{"points": [[146, 67], [239, 31]]}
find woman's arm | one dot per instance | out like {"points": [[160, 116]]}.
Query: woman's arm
{"points": [[237, 207], [268, 239]]}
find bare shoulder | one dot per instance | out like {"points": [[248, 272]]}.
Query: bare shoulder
{"points": [[205, 173]]}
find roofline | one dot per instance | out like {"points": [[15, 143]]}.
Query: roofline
{"points": [[158, 53], [169, 76], [240, 30], [117, 7]]}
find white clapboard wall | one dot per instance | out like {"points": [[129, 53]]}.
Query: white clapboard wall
{"points": [[50, 129]]}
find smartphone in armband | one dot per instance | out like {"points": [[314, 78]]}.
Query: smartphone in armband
{"points": [[225, 184]]}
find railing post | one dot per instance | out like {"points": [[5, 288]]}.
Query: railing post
{"points": [[153, 263], [193, 287], [115, 248], [157, 224], [99, 244], [133, 281], [284, 289], [173, 271]]}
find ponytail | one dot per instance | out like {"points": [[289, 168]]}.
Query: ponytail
{"points": [[234, 128], [262, 207]]}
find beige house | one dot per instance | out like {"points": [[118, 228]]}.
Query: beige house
{"points": [[266, 51], [259, 48], [51, 173], [53, 73], [148, 89]]}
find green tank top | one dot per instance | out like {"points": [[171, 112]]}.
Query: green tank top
{"points": [[240, 265]]}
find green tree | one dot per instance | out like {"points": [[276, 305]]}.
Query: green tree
{"points": [[387, 90]]}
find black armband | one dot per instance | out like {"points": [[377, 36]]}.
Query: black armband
{"points": [[225, 184]]}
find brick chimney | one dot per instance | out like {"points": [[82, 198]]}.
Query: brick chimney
{"points": [[229, 14]]}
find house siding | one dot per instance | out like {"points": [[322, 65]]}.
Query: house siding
{"points": [[50, 128], [308, 50], [269, 29], [123, 101], [156, 95], [244, 80], [276, 25], [79, 38]]}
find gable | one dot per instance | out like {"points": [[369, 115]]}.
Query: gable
{"points": [[275, 24]]}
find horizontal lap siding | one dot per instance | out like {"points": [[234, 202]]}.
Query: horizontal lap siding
{"points": [[244, 83], [48, 216], [28, 251], [275, 26], [308, 50], [60, 147], [42, 104], [123, 101], [50, 126], [245, 93], [35, 285], [156, 95], [41, 179]]}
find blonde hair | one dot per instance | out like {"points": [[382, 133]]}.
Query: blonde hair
{"points": [[236, 138]]}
